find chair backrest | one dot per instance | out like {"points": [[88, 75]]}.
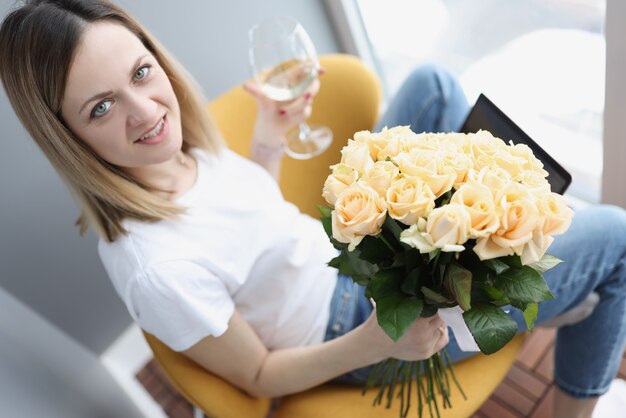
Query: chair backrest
{"points": [[348, 101]]}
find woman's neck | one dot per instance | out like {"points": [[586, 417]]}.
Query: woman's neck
{"points": [[170, 179]]}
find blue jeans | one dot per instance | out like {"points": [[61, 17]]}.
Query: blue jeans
{"points": [[588, 353]]}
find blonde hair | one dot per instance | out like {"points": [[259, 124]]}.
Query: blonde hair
{"points": [[37, 44]]}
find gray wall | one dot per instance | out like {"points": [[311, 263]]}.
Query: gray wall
{"points": [[43, 261], [44, 373]]}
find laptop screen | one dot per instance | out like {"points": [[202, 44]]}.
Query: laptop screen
{"points": [[486, 115]]}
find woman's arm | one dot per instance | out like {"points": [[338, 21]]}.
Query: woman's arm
{"points": [[273, 121], [241, 358]]}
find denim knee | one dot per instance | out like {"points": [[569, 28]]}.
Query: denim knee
{"points": [[434, 78], [611, 225], [430, 100]]}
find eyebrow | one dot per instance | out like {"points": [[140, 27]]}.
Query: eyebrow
{"points": [[109, 92]]}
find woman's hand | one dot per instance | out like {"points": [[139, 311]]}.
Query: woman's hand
{"points": [[423, 339], [275, 119]]}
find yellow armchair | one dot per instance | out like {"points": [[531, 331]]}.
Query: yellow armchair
{"points": [[348, 101]]}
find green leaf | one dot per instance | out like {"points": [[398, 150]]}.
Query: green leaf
{"points": [[349, 263], [512, 260], [374, 250], [413, 258], [496, 296], [493, 293], [546, 263], [490, 327], [429, 310], [433, 296], [458, 281], [497, 265], [410, 284], [325, 211], [530, 314], [530, 311], [433, 254], [393, 227], [524, 284], [445, 258], [328, 228], [326, 220], [395, 310]]}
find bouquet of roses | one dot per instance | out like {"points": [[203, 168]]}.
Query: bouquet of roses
{"points": [[442, 220]]}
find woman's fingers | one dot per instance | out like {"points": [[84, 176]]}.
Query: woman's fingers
{"points": [[301, 106], [252, 88], [443, 339]]}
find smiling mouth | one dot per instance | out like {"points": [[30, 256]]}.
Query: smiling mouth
{"points": [[154, 132]]}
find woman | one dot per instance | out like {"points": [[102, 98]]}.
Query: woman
{"points": [[200, 244]]}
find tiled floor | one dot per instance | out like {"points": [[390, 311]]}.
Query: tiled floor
{"points": [[526, 391]]}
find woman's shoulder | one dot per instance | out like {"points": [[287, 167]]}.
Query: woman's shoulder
{"points": [[120, 257]]}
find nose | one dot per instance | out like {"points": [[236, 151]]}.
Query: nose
{"points": [[141, 109]]}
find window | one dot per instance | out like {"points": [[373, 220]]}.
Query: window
{"points": [[541, 61]]}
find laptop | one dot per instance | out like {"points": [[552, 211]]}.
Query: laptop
{"points": [[486, 115]]}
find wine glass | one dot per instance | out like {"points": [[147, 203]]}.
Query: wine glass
{"points": [[284, 64]]}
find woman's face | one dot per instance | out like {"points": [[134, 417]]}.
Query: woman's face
{"points": [[119, 101]]}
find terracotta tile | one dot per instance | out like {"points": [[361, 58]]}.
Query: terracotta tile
{"points": [[510, 396], [493, 409], [544, 409], [546, 365], [535, 346], [152, 383], [527, 381], [182, 410]]}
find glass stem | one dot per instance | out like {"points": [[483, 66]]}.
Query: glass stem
{"points": [[305, 132]]}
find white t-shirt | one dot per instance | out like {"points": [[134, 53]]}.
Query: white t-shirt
{"points": [[239, 245]]}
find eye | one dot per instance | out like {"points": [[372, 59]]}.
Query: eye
{"points": [[101, 108], [142, 72]]}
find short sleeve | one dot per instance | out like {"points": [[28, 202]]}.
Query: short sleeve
{"points": [[180, 303]]}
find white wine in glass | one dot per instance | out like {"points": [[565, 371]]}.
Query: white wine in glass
{"points": [[284, 64]]}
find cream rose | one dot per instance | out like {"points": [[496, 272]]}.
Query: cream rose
{"points": [[341, 177], [478, 201], [558, 216], [536, 247], [515, 165], [392, 141], [518, 217], [448, 225], [408, 199], [373, 140], [531, 162], [535, 181], [458, 163], [356, 154], [447, 228], [495, 178], [359, 211], [381, 175], [482, 146], [427, 165]]}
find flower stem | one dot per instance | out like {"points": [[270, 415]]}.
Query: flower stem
{"points": [[382, 237], [451, 369]]}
